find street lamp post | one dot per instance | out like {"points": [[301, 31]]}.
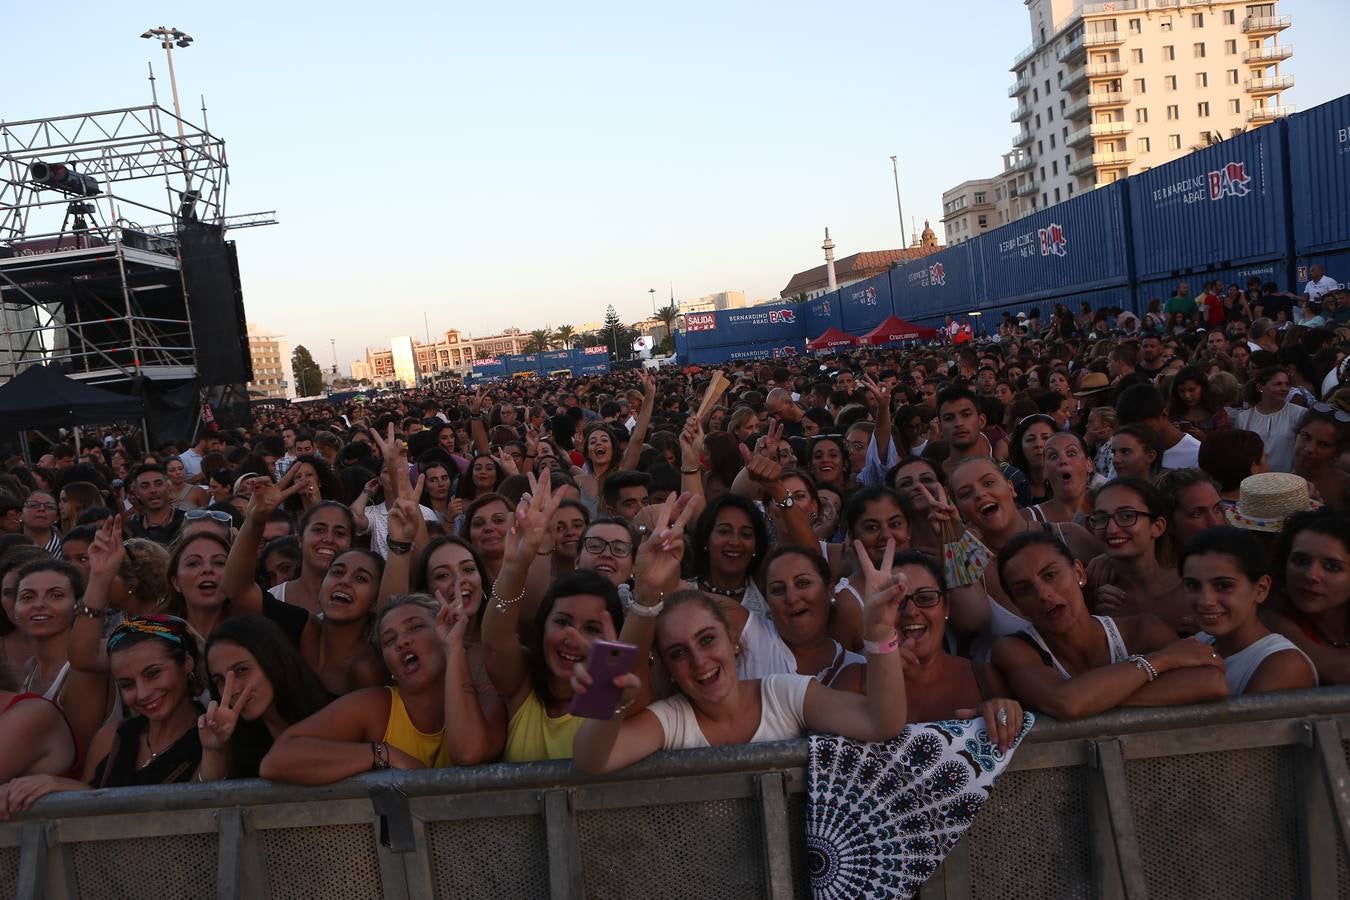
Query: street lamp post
{"points": [[652, 291], [895, 171], [168, 39]]}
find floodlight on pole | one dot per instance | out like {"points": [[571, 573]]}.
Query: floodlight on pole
{"points": [[168, 39]]}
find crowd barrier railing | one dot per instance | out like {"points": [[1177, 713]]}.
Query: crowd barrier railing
{"points": [[1245, 798]]}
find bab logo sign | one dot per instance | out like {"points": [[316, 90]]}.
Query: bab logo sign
{"points": [[1230, 181], [782, 316], [866, 297], [1052, 240], [936, 274]]}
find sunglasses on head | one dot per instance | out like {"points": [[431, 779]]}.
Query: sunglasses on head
{"points": [[215, 515], [1340, 414]]}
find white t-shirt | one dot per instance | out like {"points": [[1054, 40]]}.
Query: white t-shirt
{"points": [[763, 652], [377, 515], [1184, 454], [1323, 285], [1242, 665], [781, 717]]}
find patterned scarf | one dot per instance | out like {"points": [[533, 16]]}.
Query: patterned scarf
{"points": [[881, 818], [170, 629]]}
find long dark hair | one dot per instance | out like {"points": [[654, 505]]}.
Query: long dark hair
{"points": [[582, 581], [703, 530], [296, 690]]}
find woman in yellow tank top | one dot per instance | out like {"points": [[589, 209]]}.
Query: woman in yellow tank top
{"points": [[402, 726], [536, 679]]}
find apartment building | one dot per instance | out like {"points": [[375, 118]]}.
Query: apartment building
{"points": [[1110, 89], [970, 208], [271, 357], [713, 302]]}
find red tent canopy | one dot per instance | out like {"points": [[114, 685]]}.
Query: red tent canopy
{"points": [[897, 329], [831, 339]]}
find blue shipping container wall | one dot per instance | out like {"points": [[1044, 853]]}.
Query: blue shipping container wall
{"points": [[713, 356], [934, 285], [748, 325], [1218, 207], [525, 362], [553, 360], [820, 315], [1079, 245], [590, 361], [492, 367], [1319, 178], [865, 305]]}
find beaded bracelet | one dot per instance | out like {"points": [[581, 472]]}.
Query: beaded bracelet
{"points": [[501, 603], [1142, 664]]}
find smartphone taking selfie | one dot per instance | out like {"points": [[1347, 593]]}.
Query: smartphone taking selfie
{"points": [[608, 660]]}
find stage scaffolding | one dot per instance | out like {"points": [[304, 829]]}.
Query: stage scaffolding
{"points": [[94, 281]]}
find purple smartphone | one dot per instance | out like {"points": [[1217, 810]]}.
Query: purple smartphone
{"points": [[608, 660]]}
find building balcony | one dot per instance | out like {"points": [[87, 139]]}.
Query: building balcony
{"points": [[1082, 166], [1021, 114], [1267, 54], [1103, 39], [1110, 129], [1072, 50], [1024, 56], [1112, 160], [1108, 99], [1119, 6], [1269, 113], [1077, 109], [1272, 85], [1265, 24], [1025, 189], [1107, 69], [1079, 136], [1025, 164], [1023, 138], [1020, 86]]}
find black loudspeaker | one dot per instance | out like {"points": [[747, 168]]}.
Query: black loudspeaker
{"points": [[215, 305]]}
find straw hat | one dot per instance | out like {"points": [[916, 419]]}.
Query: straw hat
{"points": [[1093, 383], [1266, 500]]}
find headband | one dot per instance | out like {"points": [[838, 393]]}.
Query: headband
{"points": [[170, 629]]}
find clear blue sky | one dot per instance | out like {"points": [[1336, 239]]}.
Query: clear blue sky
{"points": [[529, 163]]}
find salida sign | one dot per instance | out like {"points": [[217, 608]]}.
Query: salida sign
{"points": [[1231, 180], [700, 321], [1048, 241]]}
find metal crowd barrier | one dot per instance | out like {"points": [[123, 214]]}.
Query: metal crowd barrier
{"points": [[1247, 798]]}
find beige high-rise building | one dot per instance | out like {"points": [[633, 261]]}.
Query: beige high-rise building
{"points": [[271, 357], [1111, 89]]}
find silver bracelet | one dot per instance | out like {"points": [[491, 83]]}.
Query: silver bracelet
{"points": [[638, 609], [1143, 665]]}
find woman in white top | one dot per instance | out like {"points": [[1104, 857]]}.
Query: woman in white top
{"points": [[1225, 576], [797, 587], [1070, 663], [1272, 417], [715, 708]]}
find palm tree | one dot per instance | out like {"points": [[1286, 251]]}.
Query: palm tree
{"points": [[565, 336], [667, 316], [539, 340]]}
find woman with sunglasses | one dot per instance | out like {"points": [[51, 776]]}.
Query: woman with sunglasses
{"points": [[1318, 446], [1129, 517], [1072, 664]]}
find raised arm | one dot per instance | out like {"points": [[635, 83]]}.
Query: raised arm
{"points": [[880, 714], [763, 469], [406, 527], [472, 736], [691, 457], [501, 620], [644, 420], [241, 565], [968, 604], [87, 649]]}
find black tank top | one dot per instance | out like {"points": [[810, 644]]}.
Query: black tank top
{"points": [[174, 766]]}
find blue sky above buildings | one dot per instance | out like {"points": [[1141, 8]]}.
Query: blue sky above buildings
{"points": [[528, 164]]}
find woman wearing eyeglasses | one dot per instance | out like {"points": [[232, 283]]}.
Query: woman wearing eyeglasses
{"points": [[1071, 664], [39, 521], [1129, 516], [1317, 447]]}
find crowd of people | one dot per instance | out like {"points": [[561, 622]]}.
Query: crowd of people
{"points": [[1112, 511]]}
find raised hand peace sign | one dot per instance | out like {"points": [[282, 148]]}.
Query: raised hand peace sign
{"points": [[105, 551], [217, 724], [451, 622], [534, 513], [882, 592], [657, 565], [763, 465]]}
